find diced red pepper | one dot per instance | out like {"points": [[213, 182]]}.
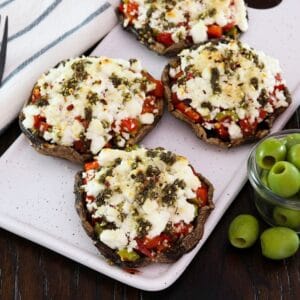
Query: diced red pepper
{"points": [[280, 87], [152, 243], [149, 105], [130, 10], [89, 198], [70, 107], [84, 122], [91, 165], [79, 146], [165, 38], [44, 126], [262, 114], [202, 195], [188, 111], [222, 131], [228, 26], [247, 127], [157, 241], [142, 248], [182, 228], [129, 125], [38, 119], [156, 244], [214, 31], [159, 89]]}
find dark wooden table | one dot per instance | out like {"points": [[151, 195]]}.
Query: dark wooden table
{"points": [[29, 271]]}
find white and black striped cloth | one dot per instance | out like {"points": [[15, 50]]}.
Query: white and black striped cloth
{"points": [[42, 33]]}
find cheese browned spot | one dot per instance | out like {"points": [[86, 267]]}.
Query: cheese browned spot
{"points": [[182, 19], [139, 194], [230, 85], [90, 100]]}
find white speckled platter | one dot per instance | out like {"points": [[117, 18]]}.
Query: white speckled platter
{"points": [[37, 201]]}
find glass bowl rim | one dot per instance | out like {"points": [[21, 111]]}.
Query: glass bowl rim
{"points": [[255, 180]]}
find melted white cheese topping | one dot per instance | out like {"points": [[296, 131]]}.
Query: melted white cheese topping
{"points": [[187, 17], [228, 77], [125, 208], [103, 89]]}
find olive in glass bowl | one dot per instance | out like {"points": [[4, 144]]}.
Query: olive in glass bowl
{"points": [[273, 171]]}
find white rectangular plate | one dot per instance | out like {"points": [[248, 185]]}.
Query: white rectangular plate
{"points": [[37, 201]]}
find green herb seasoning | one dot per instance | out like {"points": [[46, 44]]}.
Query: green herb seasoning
{"points": [[117, 161], [206, 105], [152, 171], [214, 81], [69, 87], [169, 194], [105, 194], [263, 97], [140, 177], [254, 82], [143, 227], [79, 70], [212, 12], [43, 101], [93, 98], [168, 157]]}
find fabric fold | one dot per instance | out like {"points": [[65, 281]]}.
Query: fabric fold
{"points": [[41, 34]]}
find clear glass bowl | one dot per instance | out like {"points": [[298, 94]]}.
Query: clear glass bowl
{"points": [[275, 210]]}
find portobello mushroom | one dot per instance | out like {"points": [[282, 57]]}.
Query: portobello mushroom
{"points": [[227, 92], [167, 27], [88, 103], [144, 219]]}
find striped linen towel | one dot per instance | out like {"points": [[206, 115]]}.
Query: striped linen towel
{"points": [[42, 33]]}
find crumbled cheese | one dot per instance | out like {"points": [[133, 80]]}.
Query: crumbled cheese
{"points": [[229, 78], [158, 220], [199, 32], [115, 239], [83, 98], [184, 212], [93, 188], [241, 15], [147, 118], [29, 112], [186, 18], [122, 206], [235, 131]]}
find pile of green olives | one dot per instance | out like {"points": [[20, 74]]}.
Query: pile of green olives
{"points": [[276, 242], [279, 159]]}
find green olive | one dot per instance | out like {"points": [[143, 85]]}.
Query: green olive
{"points": [[293, 155], [284, 179], [286, 217], [279, 242], [243, 231], [291, 139], [98, 228], [269, 152], [126, 255]]}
